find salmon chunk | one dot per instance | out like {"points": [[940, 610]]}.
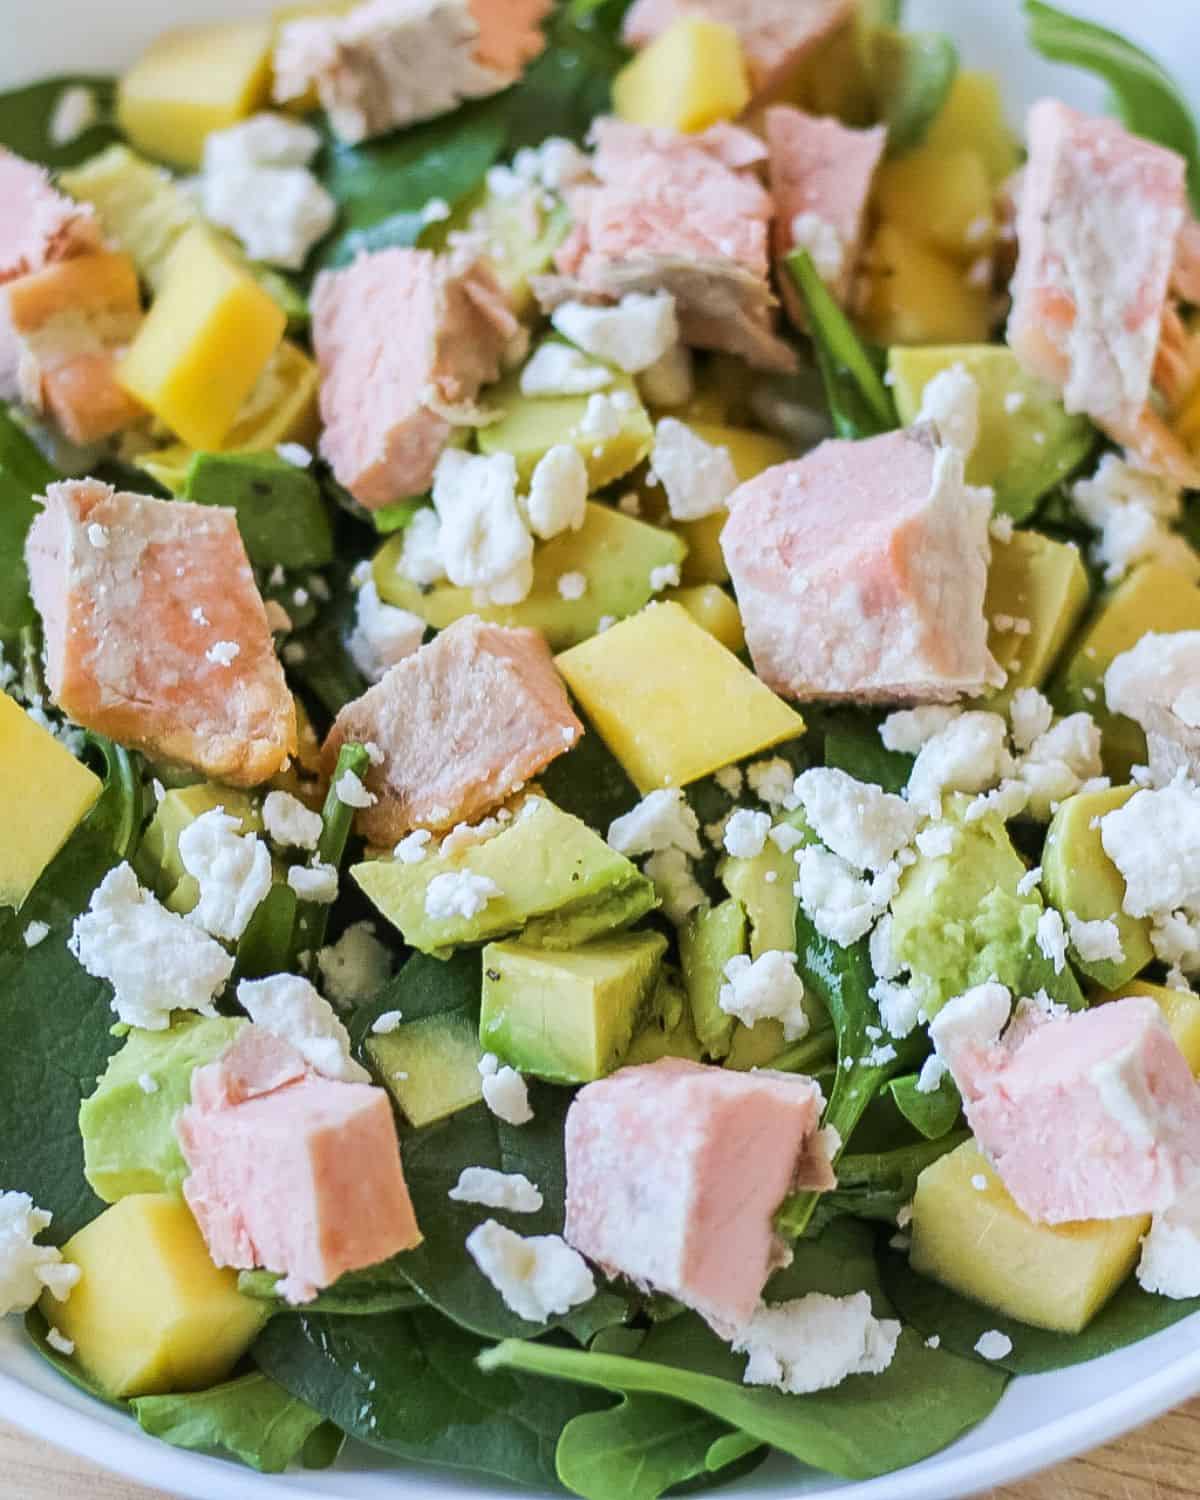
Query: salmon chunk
{"points": [[1097, 229], [684, 214], [290, 1171], [386, 399], [860, 572], [1109, 1088], [389, 63], [38, 224], [156, 634], [69, 324], [776, 35], [821, 176], [675, 1171], [461, 725]]}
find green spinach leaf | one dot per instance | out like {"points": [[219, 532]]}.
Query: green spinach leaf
{"points": [[877, 1185], [25, 116], [935, 1113], [589, 781], [24, 473], [1149, 101], [358, 1294], [120, 811], [424, 987], [911, 72]]}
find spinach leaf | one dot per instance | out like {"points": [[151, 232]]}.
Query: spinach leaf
{"points": [[911, 73], [25, 116], [375, 1289], [55, 1039], [642, 1447], [120, 810], [935, 1113], [852, 744], [440, 1268], [877, 1185], [424, 987], [1149, 101], [589, 781], [251, 1417], [564, 90], [24, 473], [932, 1308], [408, 1383], [860, 405]]}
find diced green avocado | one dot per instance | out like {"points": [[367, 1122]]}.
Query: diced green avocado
{"points": [[560, 885], [711, 937], [430, 1067], [1079, 877], [521, 233], [280, 512], [1153, 597], [128, 1131], [568, 1016], [669, 1031], [158, 863], [1044, 582], [1027, 441], [615, 554], [531, 425], [754, 1046]]}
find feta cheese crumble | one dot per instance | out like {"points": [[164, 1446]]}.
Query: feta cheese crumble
{"points": [[661, 820], [951, 402], [664, 577], [842, 905], [26, 1268], [386, 1022], [504, 1091], [538, 1277], [76, 110], [223, 653], [316, 882], [421, 553], [1132, 511], [698, 476], [675, 884], [458, 893], [511, 1191], [559, 370], [558, 492], [974, 1018], [745, 834], [856, 819], [908, 730], [289, 1007], [356, 967], [633, 335], [572, 586], [289, 823], [1170, 1261], [35, 933], [814, 1342], [232, 870], [969, 754], [993, 1345], [413, 847], [350, 791], [1157, 684], [767, 988], [382, 634], [1095, 941], [773, 782], [484, 542]]}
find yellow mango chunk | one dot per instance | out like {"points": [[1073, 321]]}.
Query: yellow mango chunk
{"points": [[941, 196], [692, 75], [45, 793], [914, 295], [979, 1243], [670, 702], [1181, 1011], [151, 1313], [209, 335], [712, 609], [193, 80], [973, 116]]}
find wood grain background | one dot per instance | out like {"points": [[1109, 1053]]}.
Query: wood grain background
{"points": [[1160, 1462]]}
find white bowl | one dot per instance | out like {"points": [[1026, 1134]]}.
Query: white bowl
{"points": [[1042, 1419]]}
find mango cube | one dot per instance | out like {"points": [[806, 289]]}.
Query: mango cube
{"points": [[973, 116], [191, 81], [692, 75], [980, 1244], [151, 1313], [916, 295], [714, 610], [670, 702], [942, 196], [209, 335], [45, 793]]}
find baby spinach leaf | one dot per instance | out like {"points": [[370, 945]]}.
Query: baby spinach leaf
{"points": [[120, 811], [934, 1113], [24, 473], [1149, 101], [407, 1383], [376, 1289], [911, 72], [564, 90], [55, 1040], [424, 987], [860, 405], [934, 1309], [251, 1417], [589, 782], [26, 113], [877, 1185], [852, 744]]}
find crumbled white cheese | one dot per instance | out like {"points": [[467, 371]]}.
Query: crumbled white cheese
{"points": [[937, 841], [295, 454], [602, 417], [382, 634], [899, 1005], [767, 988], [929, 1079], [76, 110], [421, 554], [511, 1191], [633, 335], [814, 233], [411, 849], [386, 1022], [316, 882], [993, 1345], [1000, 528], [1095, 941], [256, 183], [356, 967], [484, 543], [842, 905], [1131, 509], [1170, 1263], [26, 1268], [155, 961], [223, 653], [1030, 715], [572, 586], [856, 819], [264, 140], [1157, 684], [1154, 841], [1052, 939], [976, 1018], [676, 886], [289, 823], [661, 820], [467, 835], [559, 370], [60, 1342], [35, 933], [786, 837], [666, 576], [289, 1007], [908, 730], [668, 382], [538, 1276], [969, 754], [556, 164], [745, 834], [698, 476], [951, 402], [458, 893], [1030, 881], [773, 782], [1059, 761], [883, 961], [558, 492], [1007, 801], [350, 792], [813, 1343], [505, 1092]]}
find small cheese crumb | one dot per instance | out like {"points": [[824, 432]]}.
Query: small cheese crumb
{"points": [[356, 967], [538, 1277], [745, 834], [979, 1182], [411, 849], [289, 823], [76, 110], [289, 1007], [993, 1344], [767, 988], [385, 1023], [350, 791], [559, 370], [572, 585], [316, 882], [60, 1342], [633, 335], [664, 577], [814, 1342], [36, 933], [661, 820], [505, 1093], [1095, 942], [1052, 939], [232, 869], [512, 1191], [1030, 881], [295, 454], [458, 893], [698, 476]]}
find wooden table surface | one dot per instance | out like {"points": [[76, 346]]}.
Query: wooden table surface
{"points": [[1160, 1462]]}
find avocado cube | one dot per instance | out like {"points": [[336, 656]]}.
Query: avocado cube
{"points": [[980, 1244], [430, 1067], [690, 76], [560, 885], [529, 426], [193, 80], [769, 904], [45, 793], [1079, 877], [1034, 578], [129, 1141], [614, 553], [1027, 441], [280, 511], [569, 1016], [151, 1313], [670, 702], [1181, 1011], [210, 333], [710, 938], [158, 863], [1153, 597], [521, 230]]}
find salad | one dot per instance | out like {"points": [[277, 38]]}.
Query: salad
{"points": [[600, 734]]}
